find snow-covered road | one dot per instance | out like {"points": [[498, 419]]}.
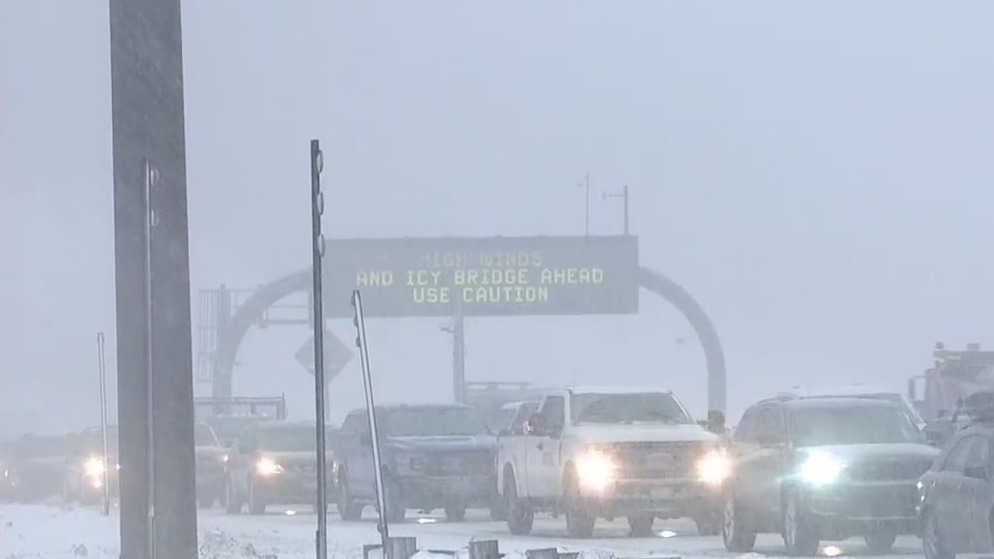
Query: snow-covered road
{"points": [[54, 533]]}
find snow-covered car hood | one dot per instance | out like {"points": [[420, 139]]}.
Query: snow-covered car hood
{"points": [[423, 444], [641, 433]]}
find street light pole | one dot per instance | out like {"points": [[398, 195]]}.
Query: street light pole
{"points": [[624, 196]]}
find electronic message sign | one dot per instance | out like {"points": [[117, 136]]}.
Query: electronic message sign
{"points": [[493, 276]]}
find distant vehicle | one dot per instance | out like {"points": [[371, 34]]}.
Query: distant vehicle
{"points": [[211, 460], [36, 466], [824, 468], [434, 456], [84, 479], [230, 416], [490, 397], [957, 493], [275, 464], [593, 453], [956, 374]]}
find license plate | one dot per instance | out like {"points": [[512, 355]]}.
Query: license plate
{"points": [[662, 493]]}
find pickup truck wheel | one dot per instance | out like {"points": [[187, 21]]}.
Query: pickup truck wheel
{"points": [[640, 526], [232, 505], [708, 524], [933, 544], [520, 515], [881, 539], [255, 503], [348, 508], [455, 512], [737, 532], [579, 521], [396, 508]]}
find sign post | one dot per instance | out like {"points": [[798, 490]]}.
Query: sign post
{"points": [[317, 255]]}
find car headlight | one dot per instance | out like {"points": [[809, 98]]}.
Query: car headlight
{"points": [[596, 469], [267, 467], [714, 468], [821, 469], [93, 467]]}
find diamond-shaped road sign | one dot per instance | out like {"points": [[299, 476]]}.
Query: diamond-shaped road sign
{"points": [[336, 355]]}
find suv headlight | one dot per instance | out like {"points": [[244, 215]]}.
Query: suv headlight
{"points": [[596, 469], [267, 467], [94, 467], [821, 469], [714, 468]]}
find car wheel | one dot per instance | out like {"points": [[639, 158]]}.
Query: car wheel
{"points": [[396, 507], [709, 524], [255, 503], [455, 512], [799, 536], [881, 539], [736, 529], [933, 545], [231, 503], [348, 508], [640, 526], [579, 520], [520, 515]]}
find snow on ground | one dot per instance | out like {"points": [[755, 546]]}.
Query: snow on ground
{"points": [[49, 532]]}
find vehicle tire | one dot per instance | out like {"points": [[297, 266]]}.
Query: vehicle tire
{"points": [[498, 512], [640, 526], [799, 536], [347, 506], [520, 515], [455, 512], [396, 507], [736, 529], [255, 503], [933, 544], [579, 520], [881, 539], [232, 504]]}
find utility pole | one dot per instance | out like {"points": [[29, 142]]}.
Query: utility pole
{"points": [[317, 257], [624, 196], [585, 184]]}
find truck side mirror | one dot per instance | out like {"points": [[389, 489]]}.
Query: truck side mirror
{"points": [[536, 425], [716, 422]]}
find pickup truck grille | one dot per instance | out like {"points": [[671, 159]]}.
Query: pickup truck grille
{"points": [[888, 470], [463, 463], [657, 460]]}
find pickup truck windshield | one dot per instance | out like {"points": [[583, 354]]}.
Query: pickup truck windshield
{"points": [[628, 409], [434, 422], [288, 439], [857, 425]]}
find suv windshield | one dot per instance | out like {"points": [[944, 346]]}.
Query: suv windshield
{"points": [[819, 426], [203, 435], [435, 421], [628, 409], [288, 439]]}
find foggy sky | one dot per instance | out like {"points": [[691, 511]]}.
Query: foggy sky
{"points": [[818, 175]]}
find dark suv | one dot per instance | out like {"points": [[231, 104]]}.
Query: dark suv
{"points": [[824, 468], [434, 456]]}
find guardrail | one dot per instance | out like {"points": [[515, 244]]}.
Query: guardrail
{"points": [[406, 547]]}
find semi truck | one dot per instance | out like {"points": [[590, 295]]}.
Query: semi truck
{"points": [[941, 390]]}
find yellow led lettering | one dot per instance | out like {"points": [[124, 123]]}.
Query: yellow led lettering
{"points": [[506, 294], [374, 278], [571, 276], [423, 277], [430, 295]]}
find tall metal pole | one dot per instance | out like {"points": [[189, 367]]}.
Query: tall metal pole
{"points": [[624, 194], [458, 356], [317, 256], [359, 320], [586, 208], [102, 369], [151, 177]]}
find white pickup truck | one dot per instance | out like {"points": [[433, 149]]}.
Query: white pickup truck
{"points": [[591, 453]]}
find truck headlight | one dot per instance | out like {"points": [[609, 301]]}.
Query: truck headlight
{"points": [[267, 467], [93, 467], [821, 469], [595, 470], [714, 468]]}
